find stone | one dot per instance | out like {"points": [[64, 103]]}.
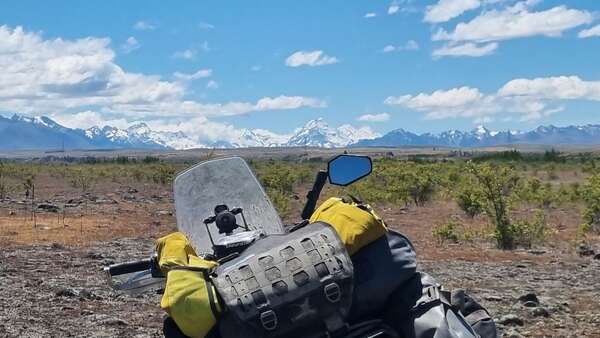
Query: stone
{"points": [[48, 207], [530, 304], [540, 312], [492, 298], [511, 319], [67, 292], [529, 297], [584, 250]]}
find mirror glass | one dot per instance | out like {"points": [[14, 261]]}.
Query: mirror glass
{"points": [[346, 169]]}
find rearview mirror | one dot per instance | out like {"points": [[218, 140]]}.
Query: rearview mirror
{"points": [[346, 169]]}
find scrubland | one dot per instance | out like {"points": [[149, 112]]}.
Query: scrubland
{"points": [[501, 224]]}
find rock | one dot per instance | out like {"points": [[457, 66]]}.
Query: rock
{"points": [[164, 213], [584, 250], [492, 298], [105, 201], [87, 294], [108, 320], [529, 297], [67, 292], [512, 334], [530, 304], [132, 191], [597, 256], [57, 246], [537, 252], [540, 312], [511, 319], [94, 255], [48, 207]]}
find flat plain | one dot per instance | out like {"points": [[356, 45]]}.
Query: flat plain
{"points": [[91, 209]]}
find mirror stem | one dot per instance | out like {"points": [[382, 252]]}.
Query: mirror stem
{"points": [[313, 196]]}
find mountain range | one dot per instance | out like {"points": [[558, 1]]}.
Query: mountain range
{"points": [[42, 133]]}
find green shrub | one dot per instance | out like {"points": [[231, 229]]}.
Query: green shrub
{"points": [[470, 201], [591, 198], [496, 184], [528, 232], [446, 232]]}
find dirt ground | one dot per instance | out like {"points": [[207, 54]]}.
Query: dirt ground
{"points": [[51, 284]]}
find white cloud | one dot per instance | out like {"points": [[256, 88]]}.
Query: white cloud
{"points": [[516, 22], [130, 45], [590, 32], [393, 9], [560, 87], [410, 45], [55, 76], [309, 58], [445, 10], [466, 49], [370, 15], [144, 26], [88, 118], [205, 25], [455, 97], [200, 74], [212, 84], [288, 102], [187, 54], [381, 117], [528, 98], [388, 49]]}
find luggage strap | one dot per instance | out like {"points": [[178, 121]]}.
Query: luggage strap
{"points": [[432, 295], [477, 316]]}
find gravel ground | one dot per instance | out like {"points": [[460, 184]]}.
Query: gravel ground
{"points": [[55, 291]]}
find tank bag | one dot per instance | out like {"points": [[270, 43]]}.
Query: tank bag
{"points": [[288, 285]]}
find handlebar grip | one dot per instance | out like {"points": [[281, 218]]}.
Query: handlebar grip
{"points": [[129, 267]]}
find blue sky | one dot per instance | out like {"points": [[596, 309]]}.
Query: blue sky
{"points": [[214, 67]]}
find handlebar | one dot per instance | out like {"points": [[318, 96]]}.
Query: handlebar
{"points": [[129, 267]]}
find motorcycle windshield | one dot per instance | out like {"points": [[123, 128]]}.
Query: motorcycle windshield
{"points": [[227, 181]]}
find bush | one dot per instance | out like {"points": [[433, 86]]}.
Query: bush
{"points": [[591, 198], [470, 201], [496, 184], [446, 232], [4, 186], [280, 201], [529, 232]]}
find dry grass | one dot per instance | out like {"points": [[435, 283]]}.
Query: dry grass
{"points": [[76, 230]]}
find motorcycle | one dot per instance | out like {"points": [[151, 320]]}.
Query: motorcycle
{"points": [[226, 214]]}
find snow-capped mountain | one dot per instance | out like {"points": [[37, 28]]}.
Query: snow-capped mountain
{"points": [[255, 138], [141, 135], [483, 137], [317, 133], [42, 133], [51, 135]]}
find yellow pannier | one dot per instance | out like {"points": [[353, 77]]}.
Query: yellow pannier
{"points": [[189, 297], [356, 224]]}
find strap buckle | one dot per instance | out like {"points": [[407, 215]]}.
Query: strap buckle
{"points": [[332, 292], [268, 319]]}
